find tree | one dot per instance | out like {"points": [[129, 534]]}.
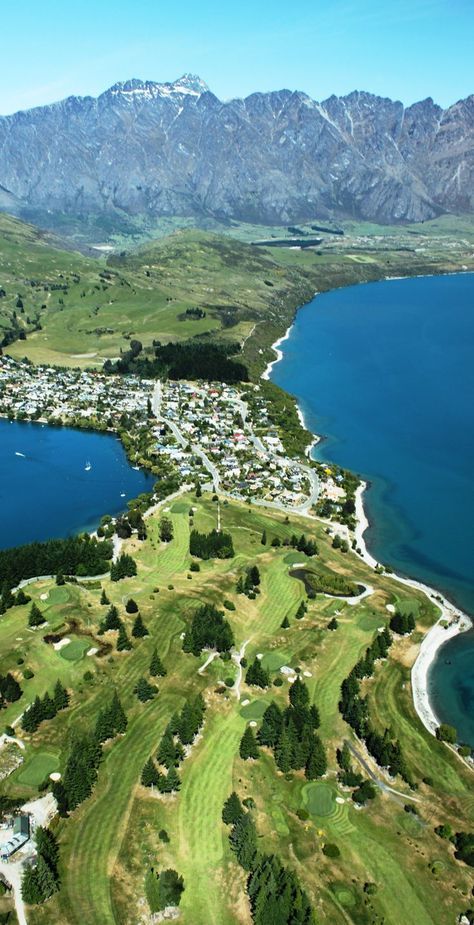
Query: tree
{"points": [[232, 809], [257, 675], [333, 624], [316, 764], [272, 722], [123, 642], [446, 733], [118, 715], [157, 669], [144, 690], [131, 606], [35, 617], [166, 530], [103, 598], [170, 888], [47, 846], [112, 620], [30, 887], [139, 629], [243, 841], [104, 727], [248, 745], [264, 538], [167, 754], [365, 792], [285, 623], [60, 697], [149, 776]]}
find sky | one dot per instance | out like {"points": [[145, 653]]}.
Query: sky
{"points": [[407, 49]]}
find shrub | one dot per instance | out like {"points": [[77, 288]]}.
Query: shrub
{"points": [[331, 851], [446, 733]]}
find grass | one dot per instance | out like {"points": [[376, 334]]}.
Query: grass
{"points": [[110, 841], [75, 650]]}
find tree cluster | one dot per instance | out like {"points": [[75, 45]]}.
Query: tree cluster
{"points": [[257, 675], [304, 545], [181, 731], [124, 567], [41, 880], [78, 555], [10, 690], [355, 711], [291, 734], [402, 623], [163, 889], [209, 630], [45, 708], [213, 545], [274, 892], [166, 530], [191, 359], [111, 721], [251, 581]]}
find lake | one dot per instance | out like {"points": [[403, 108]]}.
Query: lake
{"points": [[45, 488], [384, 371]]}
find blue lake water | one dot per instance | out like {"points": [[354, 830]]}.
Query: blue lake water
{"points": [[46, 491], [385, 371]]}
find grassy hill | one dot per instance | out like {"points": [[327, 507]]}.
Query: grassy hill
{"points": [[77, 310], [112, 839]]}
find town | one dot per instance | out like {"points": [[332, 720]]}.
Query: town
{"points": [[206, 432]]}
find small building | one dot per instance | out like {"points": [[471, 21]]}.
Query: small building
{"points": [[21, 834]]}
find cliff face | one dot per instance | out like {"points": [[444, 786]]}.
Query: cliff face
{"points": [[175, 149]]}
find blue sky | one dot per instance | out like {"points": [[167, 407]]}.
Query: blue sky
{"points": [[407, 50]]}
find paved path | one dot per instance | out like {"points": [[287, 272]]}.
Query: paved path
{"points": [[378, 780]]}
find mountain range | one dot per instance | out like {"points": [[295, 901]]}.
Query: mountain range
{"points": [[151, 149]]}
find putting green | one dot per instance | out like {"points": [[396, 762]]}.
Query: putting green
{"points": [[344, 896], [293, 557], [180, 507], [318, 799], [279, 821], [254, 710], [273, 661], [58, 596], [75, 650], [369, 621], [37, 768]]}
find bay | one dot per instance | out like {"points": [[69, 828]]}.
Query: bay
{"points": [[385, 371], [57, 481]]}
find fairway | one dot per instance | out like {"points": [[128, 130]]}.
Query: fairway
{"points": [[273, 661], [254, 710]]}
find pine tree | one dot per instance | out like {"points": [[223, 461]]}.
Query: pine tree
{"points": [[103, 598], [232, 809], [285, 624], [118, 716], [60, 696], [343, 756], [123, 642], [45, 878], [149, 776], [157, 669], [131, 606], [272, 722], [49, 710], [248, 745], [112, 619], [144, 690], [257, 675], [48, 847], [35, 617], [243, 841], [167, 752], [172, 780], [60, 796], [139, 629], [301, 611], [104, 727], [240, 585], [283, 750], [264, 538], [30, 888], [316, 764]]}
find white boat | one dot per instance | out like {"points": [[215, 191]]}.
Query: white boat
{"points": [[88, 466], [20, 454], [122, 494]]}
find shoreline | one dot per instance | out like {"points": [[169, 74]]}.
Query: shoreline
{"points": [[437, 635]]}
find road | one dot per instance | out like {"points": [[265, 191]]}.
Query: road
{"points": [[378, 780]]}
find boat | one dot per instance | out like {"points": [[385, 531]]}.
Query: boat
{"points": [[20, 454], [88, 466], [122, 494]]}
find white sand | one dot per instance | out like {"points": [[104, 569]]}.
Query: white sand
{"points": [[44, 597], [253, 724], [259, 654], [390, 608], [279, 354], [436, 637], [62, 642], [285, 669], [92, 651], [307, 674], [340, 800], [245, 702], [55, 775]]}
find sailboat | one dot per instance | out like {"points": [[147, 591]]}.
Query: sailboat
{"points": [[88, 466]]}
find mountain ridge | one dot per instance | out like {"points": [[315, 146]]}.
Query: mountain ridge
{"points": [[143, 147]]}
